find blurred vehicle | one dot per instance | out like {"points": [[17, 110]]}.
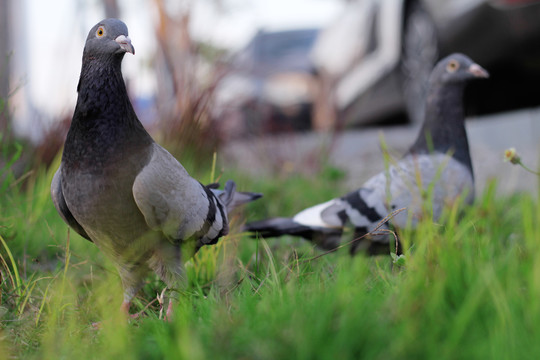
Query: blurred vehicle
{"points": [[377, 57], [270, 84]]}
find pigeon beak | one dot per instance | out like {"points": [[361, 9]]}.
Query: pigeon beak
{"points": [[125, 43], [478, 71]]}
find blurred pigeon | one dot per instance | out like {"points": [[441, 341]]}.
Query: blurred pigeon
{"points": [[437, 164], [119, 189]]}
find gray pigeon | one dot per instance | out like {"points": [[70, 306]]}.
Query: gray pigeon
{"points": [[439, 158], [119, 189]]}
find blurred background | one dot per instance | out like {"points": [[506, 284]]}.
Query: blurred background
{"points": [[281, 86]]}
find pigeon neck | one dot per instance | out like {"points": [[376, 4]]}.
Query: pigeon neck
{"points": [[444, 126], [104, 120], [101, 89], [103, 102]]}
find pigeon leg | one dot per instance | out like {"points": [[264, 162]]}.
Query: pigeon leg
{"points": [[167, 263], [169, 313], [125, 307], [132, 281]]}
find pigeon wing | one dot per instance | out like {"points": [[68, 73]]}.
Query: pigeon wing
{"points": [[61, 206], [174, 203], [436, 180]]}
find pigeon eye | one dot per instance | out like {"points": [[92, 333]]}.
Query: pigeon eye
{"points": [[100, 32], [452, 66]]}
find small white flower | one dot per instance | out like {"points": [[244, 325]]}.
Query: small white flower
{"points": [[512, 156]]}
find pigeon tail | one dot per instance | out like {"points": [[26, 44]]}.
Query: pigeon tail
{"points": [[326, 238], [232, 198]]}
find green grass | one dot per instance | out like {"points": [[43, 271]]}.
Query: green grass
{"points": [[467, 287]]}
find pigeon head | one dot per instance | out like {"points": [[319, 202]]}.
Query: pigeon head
{"points": [[108, 38], [455, 69], [444, 124], [102, 90]]}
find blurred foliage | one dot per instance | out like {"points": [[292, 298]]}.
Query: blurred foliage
{"points": [[189, 76]]}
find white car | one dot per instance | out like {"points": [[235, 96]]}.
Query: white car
{"points": [[376, 57]]}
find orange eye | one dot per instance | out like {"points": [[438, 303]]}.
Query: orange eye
{"points": [[100, 31], [452, 66]]}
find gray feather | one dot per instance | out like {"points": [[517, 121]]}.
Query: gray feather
{"points": [[62, 208], [170, 200]]}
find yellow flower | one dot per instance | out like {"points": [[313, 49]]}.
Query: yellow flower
{"points": [[512, 156]]}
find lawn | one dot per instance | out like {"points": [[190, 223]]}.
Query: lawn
{"points": [[466, 287]]}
